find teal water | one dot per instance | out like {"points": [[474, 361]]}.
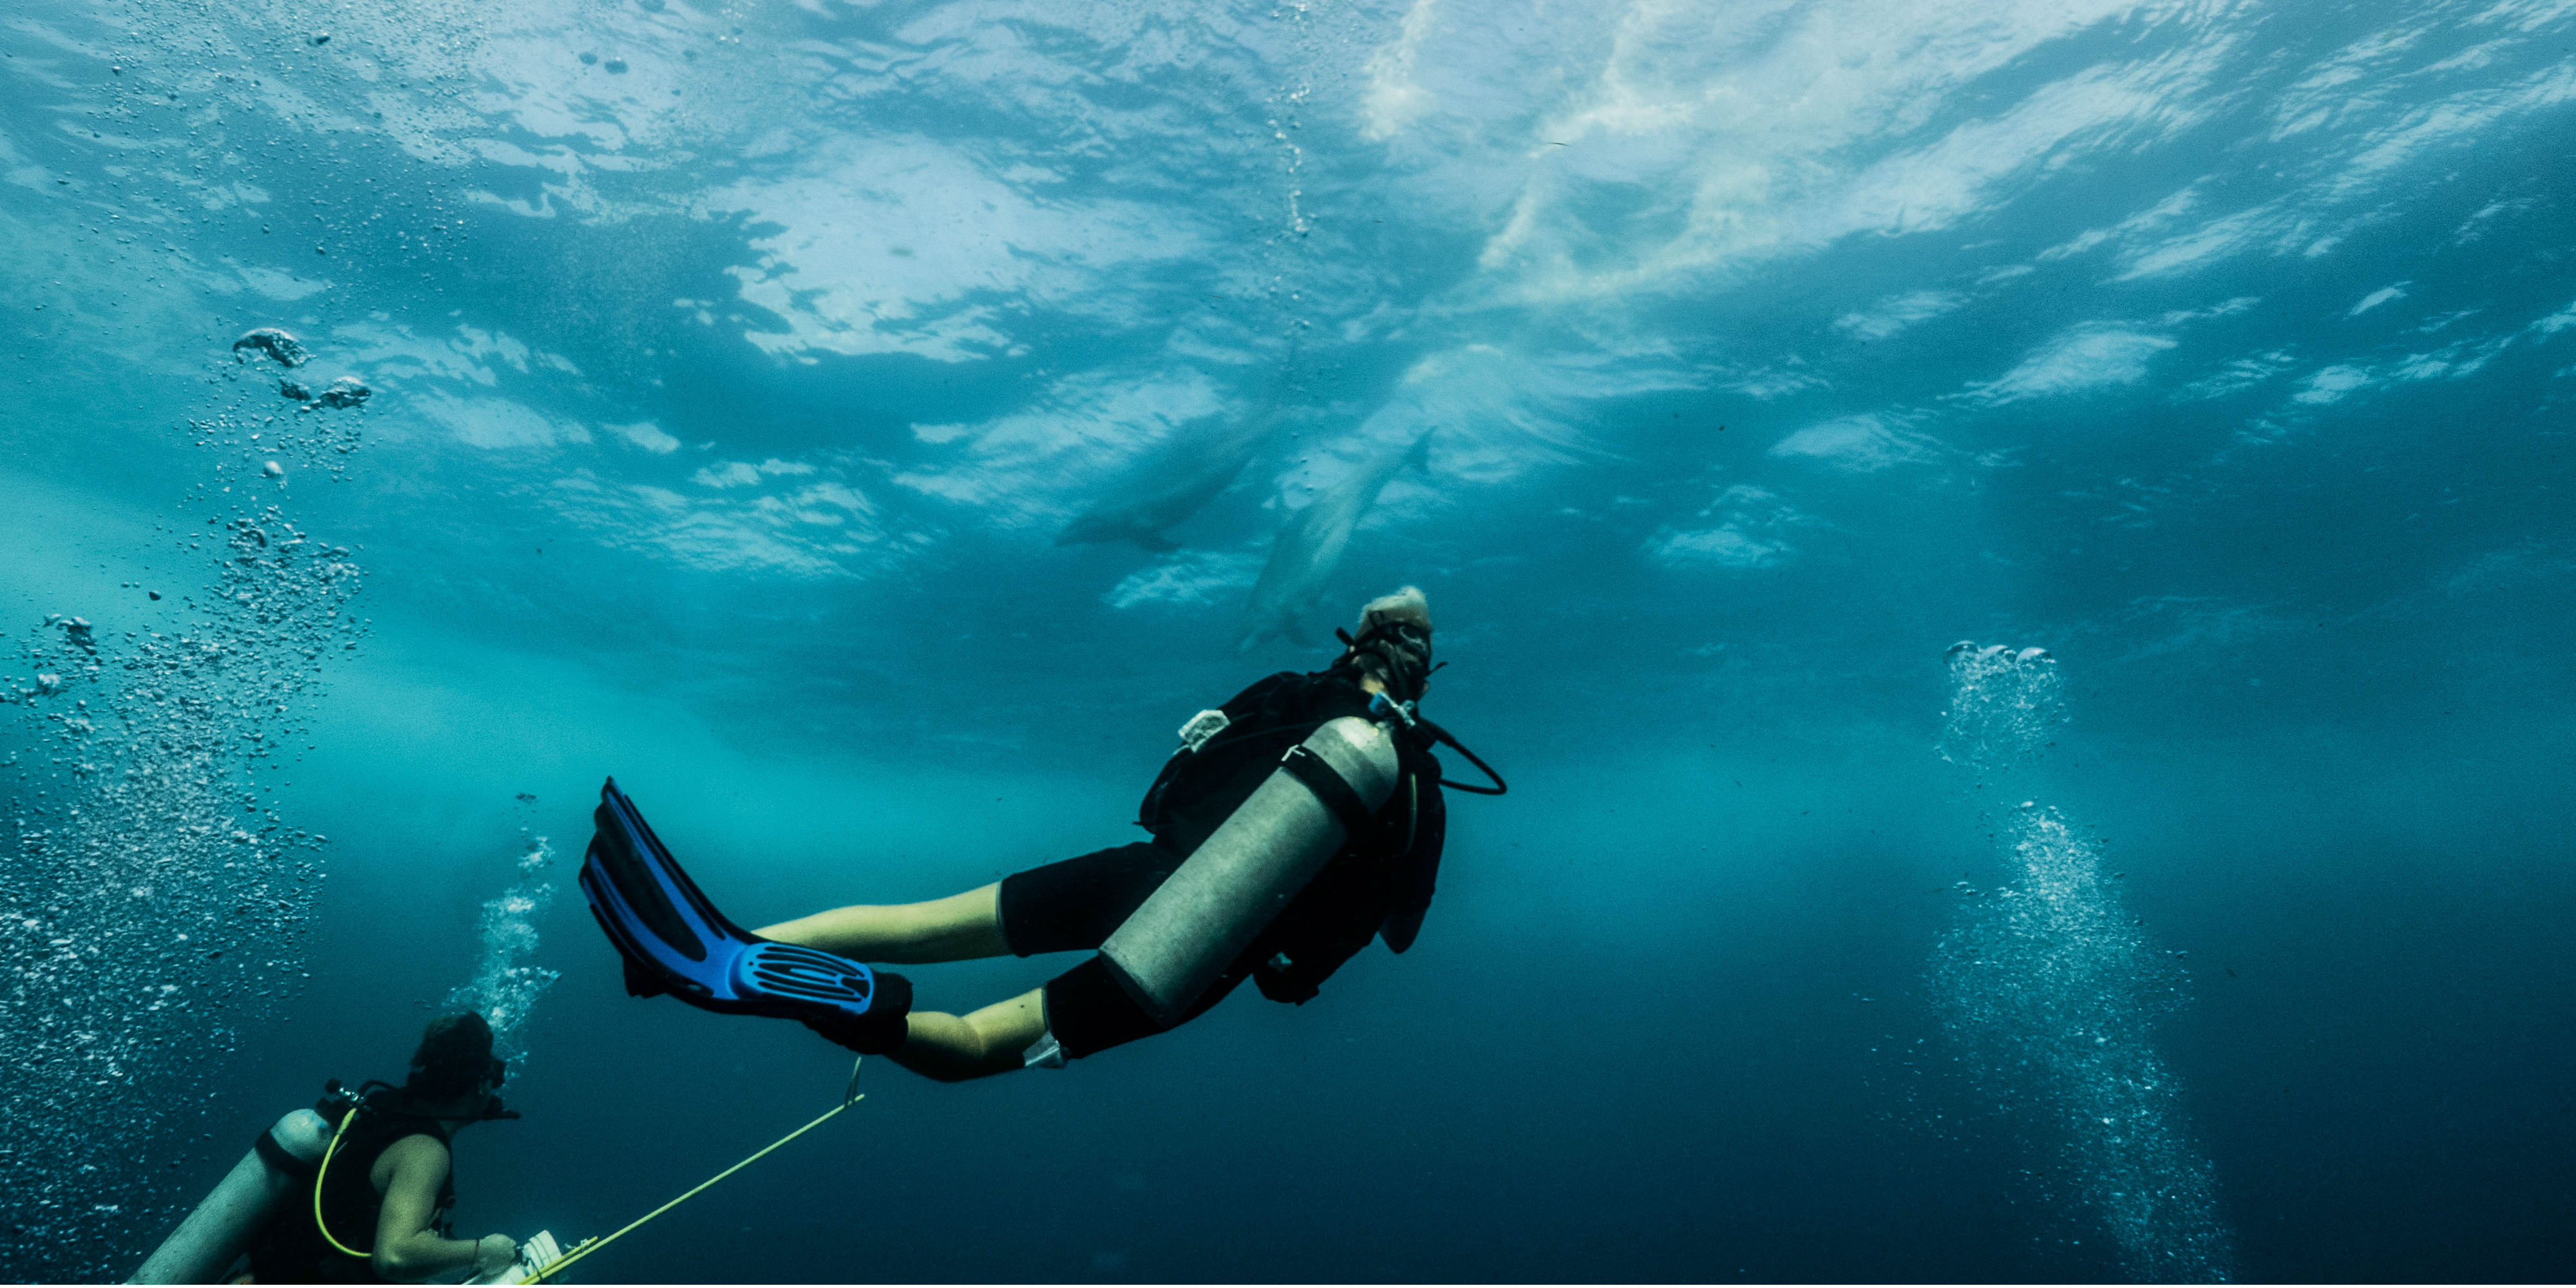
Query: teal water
{"points": [[867, 430]]}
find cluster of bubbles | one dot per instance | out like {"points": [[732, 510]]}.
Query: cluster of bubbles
{"points": [[2050, 990], [266, 440], [2004, 703], [504, 989], [152, 903]]}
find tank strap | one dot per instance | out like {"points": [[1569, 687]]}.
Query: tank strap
{"points": [[1326, 782], [275, 1155]]}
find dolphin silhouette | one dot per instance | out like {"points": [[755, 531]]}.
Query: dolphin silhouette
{"points": [[1311, 542], [1176, 482]]}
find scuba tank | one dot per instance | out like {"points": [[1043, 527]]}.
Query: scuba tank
{"points": [[280, 1164], [1173, 947], [1323, 793]]}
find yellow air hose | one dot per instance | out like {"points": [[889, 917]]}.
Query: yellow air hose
{"points": [[325, 1170], [849, 1096]]}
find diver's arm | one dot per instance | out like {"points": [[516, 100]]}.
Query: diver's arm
{"points": [[953, 1048], [959, 928], [407, 1250]]}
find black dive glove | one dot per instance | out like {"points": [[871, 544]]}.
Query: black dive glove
{"points": [[879, 1032]]}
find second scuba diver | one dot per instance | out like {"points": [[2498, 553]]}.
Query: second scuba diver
{"points": [[1295, 823], [372, 1207]]}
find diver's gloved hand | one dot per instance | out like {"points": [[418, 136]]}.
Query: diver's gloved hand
{"points": [[882, 1030]]}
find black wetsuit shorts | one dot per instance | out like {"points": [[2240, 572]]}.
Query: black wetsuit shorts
{"points": [[1073, 906]]}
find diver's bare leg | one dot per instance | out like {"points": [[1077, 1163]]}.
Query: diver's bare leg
{"points": [[993, 1040], [957, 928]]}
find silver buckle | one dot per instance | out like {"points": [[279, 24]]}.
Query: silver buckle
{"points": [[1045, 1053]]}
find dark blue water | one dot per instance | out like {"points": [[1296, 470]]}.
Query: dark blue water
{"points": [[732, 372]]}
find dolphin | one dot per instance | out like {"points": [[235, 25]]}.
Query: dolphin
{"points": [[1180, 479], [1311, 542]]}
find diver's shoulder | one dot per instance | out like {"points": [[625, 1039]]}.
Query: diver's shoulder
{"points": [[417, 1149]]}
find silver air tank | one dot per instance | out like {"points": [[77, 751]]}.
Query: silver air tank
{"points": [[1200, 919], [221, 1228]]}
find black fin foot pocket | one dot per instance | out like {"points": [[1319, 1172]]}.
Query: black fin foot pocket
{"points": [[639, 981], [879, 1032]]}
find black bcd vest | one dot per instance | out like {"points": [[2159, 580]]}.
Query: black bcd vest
{"points": [[290, 1249]]}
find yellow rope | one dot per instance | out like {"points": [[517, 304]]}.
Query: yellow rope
{"points": [[589, 1246]]}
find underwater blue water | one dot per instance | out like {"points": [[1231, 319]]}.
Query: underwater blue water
{"points": [[869, 430]]}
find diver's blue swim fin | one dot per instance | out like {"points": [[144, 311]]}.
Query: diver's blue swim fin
{"points": [[675, 942]]}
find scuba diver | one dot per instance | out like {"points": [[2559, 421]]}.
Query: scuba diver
{"points": [[375, 1209], [355, 1189], [1295, 823]]}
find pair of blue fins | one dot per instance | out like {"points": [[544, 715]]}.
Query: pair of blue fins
{"points": [[676, 942]]}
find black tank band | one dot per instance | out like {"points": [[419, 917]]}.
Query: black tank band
{"points": [[1321, 778], [275, 1155]]}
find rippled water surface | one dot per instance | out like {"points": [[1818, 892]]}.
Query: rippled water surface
{"points": [[2017, 558]]}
